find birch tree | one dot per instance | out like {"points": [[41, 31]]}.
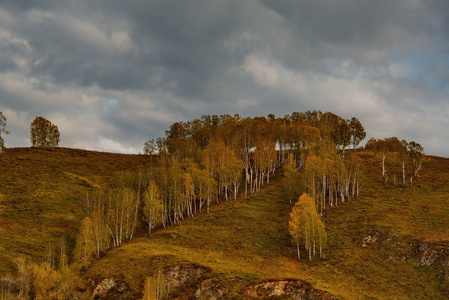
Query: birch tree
{"points": [[122, 215], [306, 227], [153, 208], [100, 231], [382, 149], [85, 244], [416, 152], [155, 287], [403, 157], [295, 228]]}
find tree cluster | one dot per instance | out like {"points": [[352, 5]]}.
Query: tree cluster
{"points": [[210, 160], [329, 174], [224, 145], [110, 219], [330, 177], [253, 141], [409, 155], [51, 279]]}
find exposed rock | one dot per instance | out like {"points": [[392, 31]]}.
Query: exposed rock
{"points": [[178, 275], [211, 289], [421, 247], [396, 258], [370, 239], [103, 287], [427, 258], [428, 254], [293, 289], [197, 282], [111, 288]]}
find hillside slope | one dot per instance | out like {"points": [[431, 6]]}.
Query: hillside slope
{"points": [[41, 192], [391, 242]]}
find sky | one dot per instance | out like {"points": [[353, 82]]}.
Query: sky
{"points": [[112, 74]]}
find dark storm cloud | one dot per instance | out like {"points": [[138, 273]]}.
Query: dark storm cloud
{"points": [[126, 70], [175, 45]]}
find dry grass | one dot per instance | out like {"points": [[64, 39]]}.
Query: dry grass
{"points": [[246, 240], [40, 193]]}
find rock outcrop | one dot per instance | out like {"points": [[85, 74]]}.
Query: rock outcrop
{"points": [[197, 282], [428, 254], [293, 289], [103, 287], [370, 239], [111, 288]]}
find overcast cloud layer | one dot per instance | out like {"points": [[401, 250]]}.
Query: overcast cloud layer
{"points": [[112, 74]]}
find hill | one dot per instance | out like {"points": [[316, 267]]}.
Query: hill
{"points": [[390, 242]]}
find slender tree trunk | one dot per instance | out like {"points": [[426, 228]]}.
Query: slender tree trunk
{"points": [[417, 170], [353, 186], [299, 253], [403, 172], [383, 164]]}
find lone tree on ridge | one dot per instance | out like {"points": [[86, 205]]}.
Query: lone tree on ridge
{"points": [[44, 133]]}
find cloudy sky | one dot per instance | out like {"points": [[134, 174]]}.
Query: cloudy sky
{"points": [[112, 74]]}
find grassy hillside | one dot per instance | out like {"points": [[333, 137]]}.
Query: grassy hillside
{"points": [[241, 243], [40, 193], [248, 241]]}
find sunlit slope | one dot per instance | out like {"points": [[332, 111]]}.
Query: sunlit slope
{"points": [[249, 241], [40, 193]]}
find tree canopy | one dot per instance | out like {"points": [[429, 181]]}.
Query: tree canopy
{"points": [[44, 133]]}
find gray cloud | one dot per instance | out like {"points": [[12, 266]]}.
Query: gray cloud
{"points": [[112, 74]]}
